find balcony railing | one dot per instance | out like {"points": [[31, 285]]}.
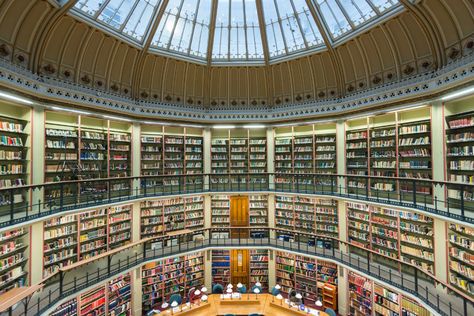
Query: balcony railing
{"points": [[24, 203], [69, 281]]}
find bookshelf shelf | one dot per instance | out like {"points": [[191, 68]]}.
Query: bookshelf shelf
{"points": [[119, 300], [360, 293], [386, 302], [221, 267], [403, 235], [13, 258], [163, 278], [259, 267], [220, 208]]}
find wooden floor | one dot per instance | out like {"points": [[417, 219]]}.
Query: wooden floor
{"points": [[263, 305]]}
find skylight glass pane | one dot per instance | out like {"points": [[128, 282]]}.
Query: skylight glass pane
{"points": [[141, 18], [383, 5], [290, 27], [358, 11], [335, 20], [116, 12], [89, 7], [240, 19], [184, 27]]}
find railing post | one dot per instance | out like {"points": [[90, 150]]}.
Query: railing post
{"points": [[462, 200], [416, 280], [12, 205], [368, 261], [414, 192], [61, 282], [109, 260]]}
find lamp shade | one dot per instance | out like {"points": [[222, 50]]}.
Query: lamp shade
{"points": [[230, 286], [318, 303], [165, 305], [229, 291], [278, 287], [256, 290], [258, 284], [239, 285], [174, 304], [279, 297], [204, 298], [204, 289], [197, 292], [299, 296]]}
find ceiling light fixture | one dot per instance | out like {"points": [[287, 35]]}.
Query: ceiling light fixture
{"points": [[254, 126], [57, 108], [458, 94], [117, 118], [223, 126], [15, 98]]}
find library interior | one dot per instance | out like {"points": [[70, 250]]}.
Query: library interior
{"points": [[237, 157]]}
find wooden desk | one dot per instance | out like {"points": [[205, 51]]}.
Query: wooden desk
{"points": [[263, 306]]}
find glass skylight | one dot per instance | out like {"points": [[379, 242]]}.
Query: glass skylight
{"points": [[290, 27], [129, 17], [237, 32], [343, 16], [183, 28]]}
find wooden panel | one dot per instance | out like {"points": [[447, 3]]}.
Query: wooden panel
{"points": [[239, 211], [239, 267]]}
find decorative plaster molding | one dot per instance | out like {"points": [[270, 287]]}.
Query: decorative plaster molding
{"points": [[20, 79]]}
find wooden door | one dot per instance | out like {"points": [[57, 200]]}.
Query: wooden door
{"points": [[239, 215], [239, 267]]}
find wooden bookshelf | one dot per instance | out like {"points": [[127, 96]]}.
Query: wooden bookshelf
{"points": [[119, 291], [412, 308], [194, 159], [70, 238], [60, 246], [360, 295], [357, 158], [459, 153], [324, 154], [221, 267], [93, 302], [14, 153], [69, 308], [330, 296], [303, 154], [309, 215], [220, 210], [403, 235], [414, 148], [151, 155], [120, 157], [383, 156], [259, 267], [164, 278], [258, 210], [166, 215], [461, 257], [13, 259], [305, 275], [386, 302]]}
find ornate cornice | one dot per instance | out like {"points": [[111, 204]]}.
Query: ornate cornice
{"points": [[454, 74]]}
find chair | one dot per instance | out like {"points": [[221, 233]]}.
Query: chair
{"points": [[275, 291], [217, 289], [176, 298], [330, 312], [191, 294], [242, 290], [256, 287]]}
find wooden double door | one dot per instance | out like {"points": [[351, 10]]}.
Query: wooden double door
{"points": [[239, 258]]}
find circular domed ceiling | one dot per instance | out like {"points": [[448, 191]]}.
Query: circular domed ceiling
{"points": [[227, 31]]}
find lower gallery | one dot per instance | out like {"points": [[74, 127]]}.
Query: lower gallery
{"points": [[236, 157]]}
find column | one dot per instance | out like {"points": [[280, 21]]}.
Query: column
{"points": [[271, 214], [438, 167], [271, 156], [342, 223], [208, 271], [37, 151], [136, 221], [271, 270], [206, 147], [136, 155], [341, 154], [37, 177], [136, 290], [343, 291]]}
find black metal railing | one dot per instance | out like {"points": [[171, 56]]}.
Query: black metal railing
{"points": [[21, 204], [441, 297]]}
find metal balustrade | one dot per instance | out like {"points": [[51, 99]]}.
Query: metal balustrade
{"points": [[18, 205], [439, 297]]}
